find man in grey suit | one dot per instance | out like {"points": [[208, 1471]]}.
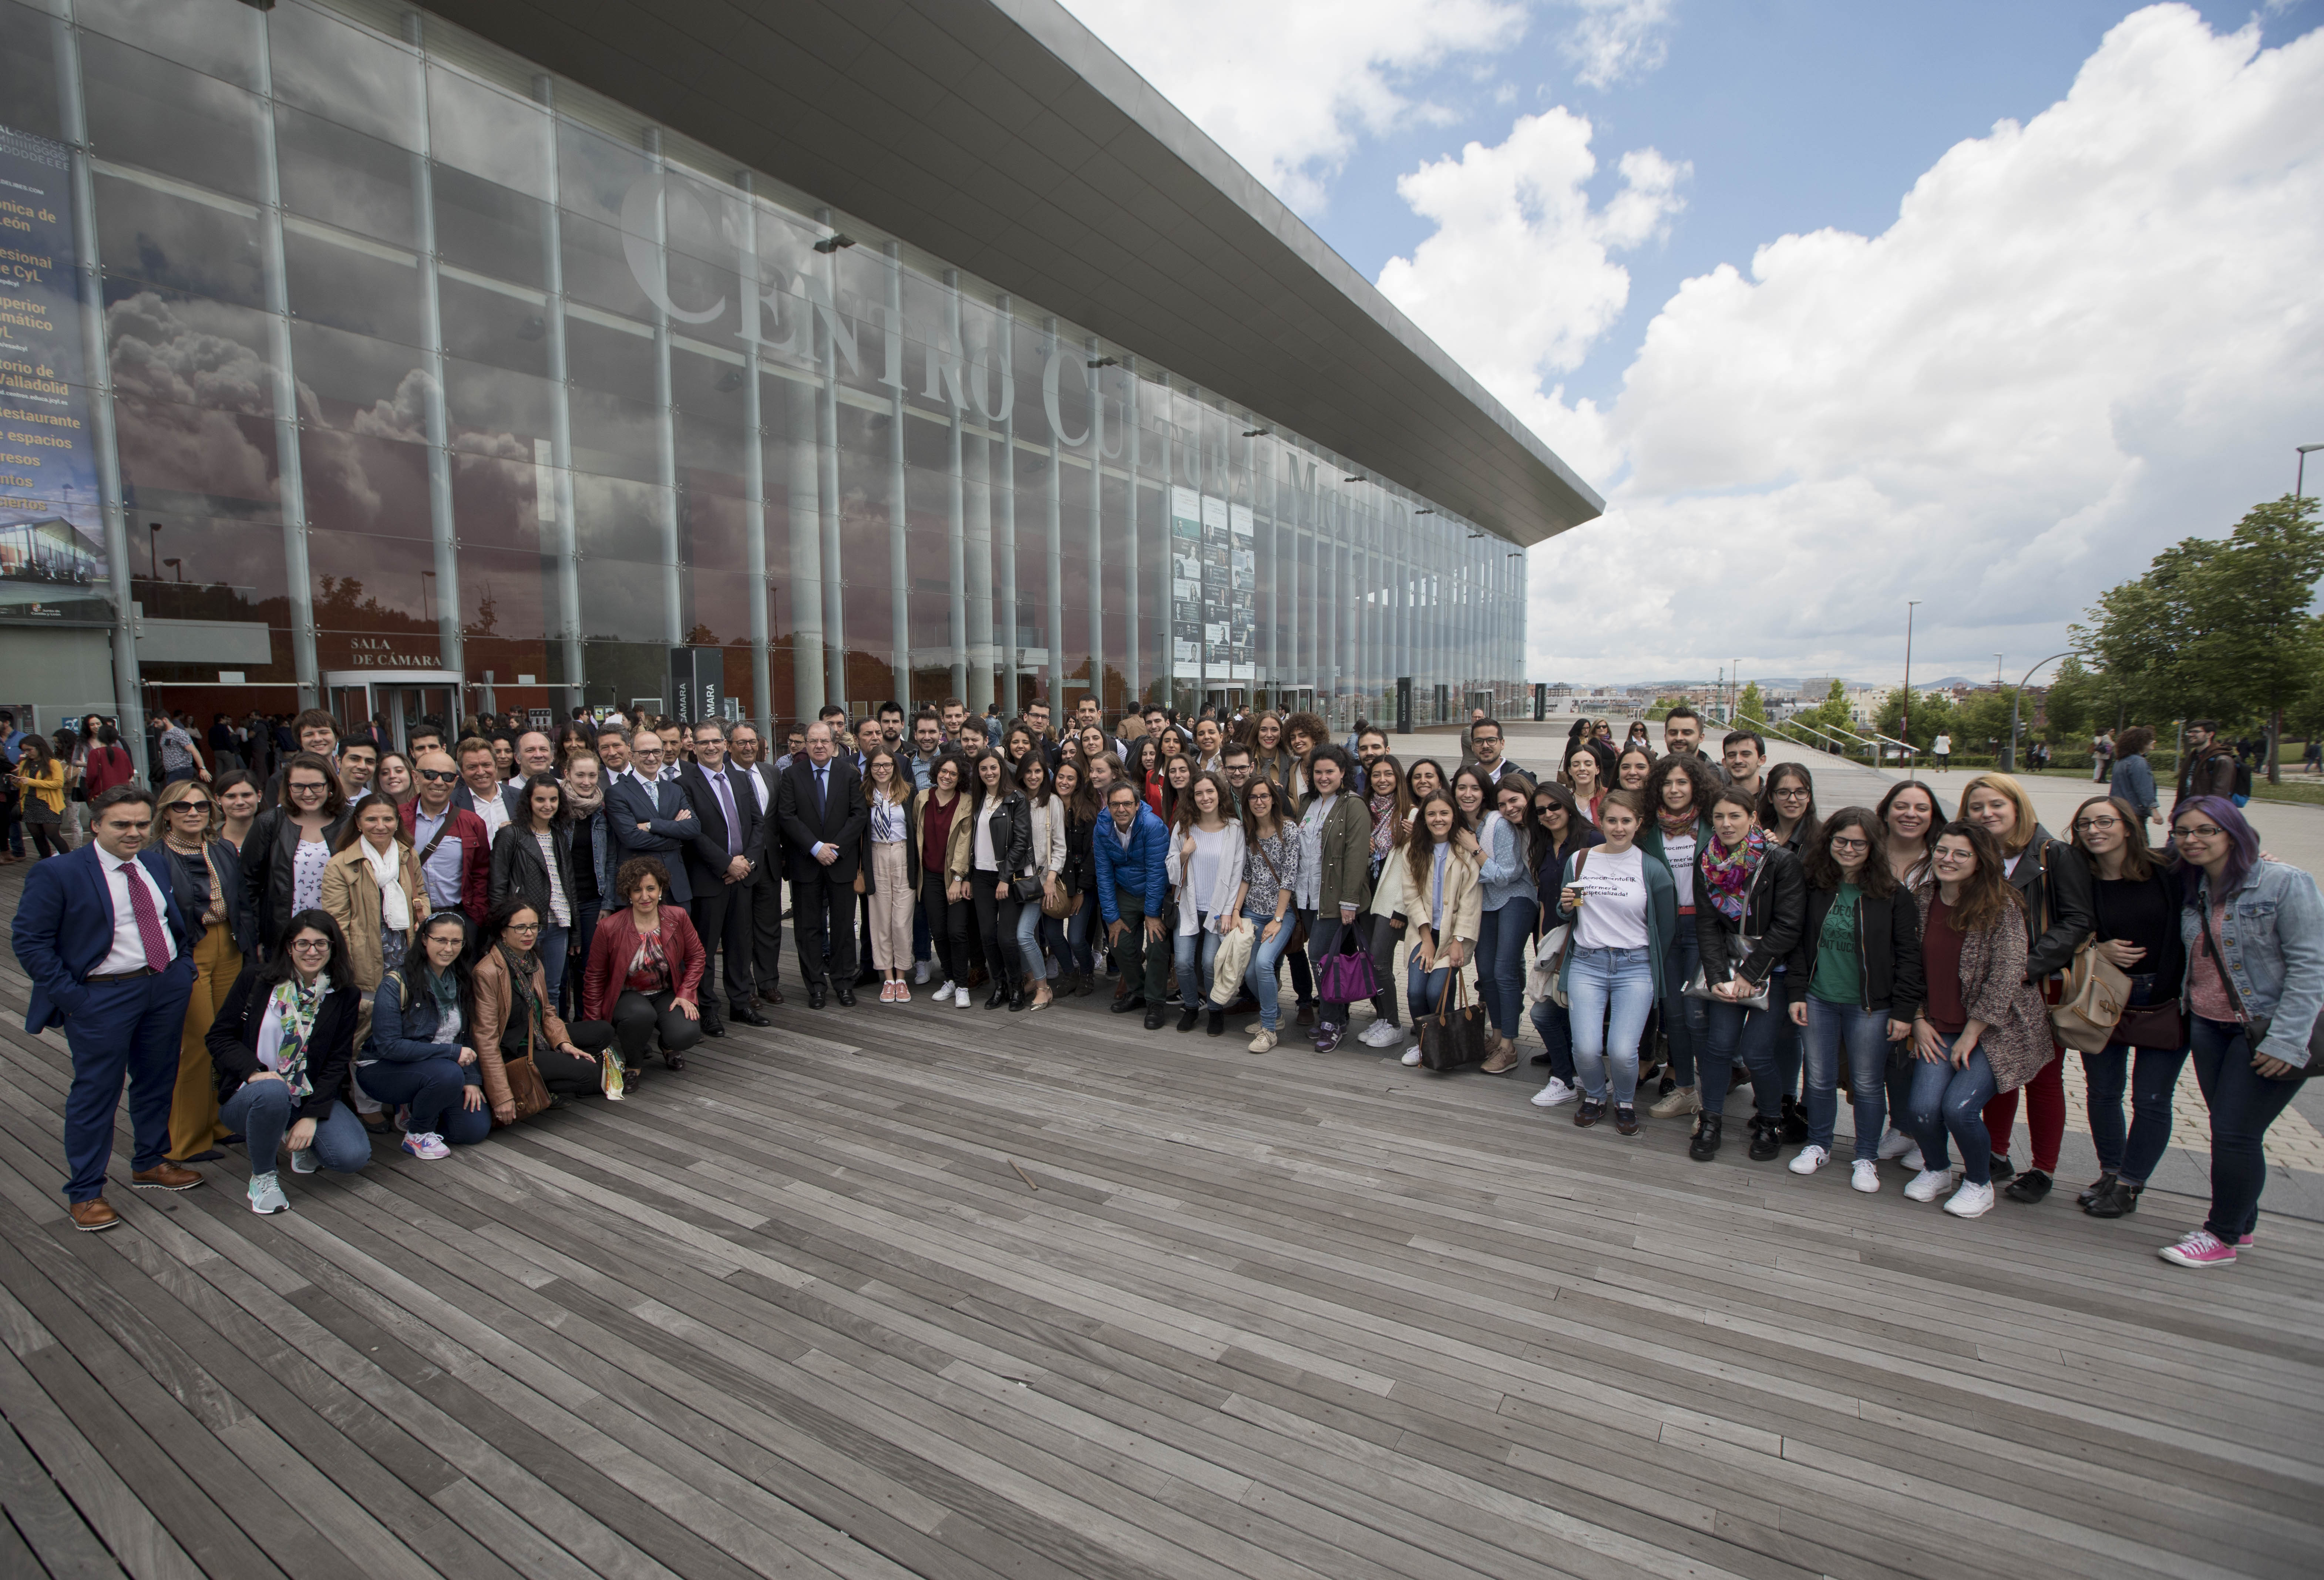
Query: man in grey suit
{"points": [[747, 752]]}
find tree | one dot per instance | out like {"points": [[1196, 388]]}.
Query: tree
{"points": [[2072, 703], [1751, 707], [1931, 715], [1831, 713], [1982, 718], [2224, 629]]}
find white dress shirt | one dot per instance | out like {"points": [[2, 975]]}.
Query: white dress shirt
{"points": [[128, 951], [493, 811]]}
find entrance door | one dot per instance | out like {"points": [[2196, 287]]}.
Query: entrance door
{"points": [[405, 697]]}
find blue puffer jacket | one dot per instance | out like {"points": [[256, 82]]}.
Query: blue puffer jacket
{"points": [[1143, 869], [403, 1022], [2273, 942]]}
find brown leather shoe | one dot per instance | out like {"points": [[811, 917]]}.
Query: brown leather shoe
{"points": [[165, 1176], [93, 1215]]}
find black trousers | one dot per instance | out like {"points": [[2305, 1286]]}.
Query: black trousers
{"points": [[721, 913], [947, 927], [766, 930], [996, 924], [824, 908], [561, 1073], [638, 1020]]}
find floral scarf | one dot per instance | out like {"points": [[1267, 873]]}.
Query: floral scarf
{"points": [[300, 1006], [1729, 873]]}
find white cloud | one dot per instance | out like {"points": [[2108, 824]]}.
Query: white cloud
{"points": [[1288, 87], [2083, 338], [1615, 40]]}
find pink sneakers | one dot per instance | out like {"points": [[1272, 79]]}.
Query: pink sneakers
{"points": [[2198, 1248]]}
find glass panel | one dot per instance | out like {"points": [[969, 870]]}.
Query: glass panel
{"points": [[357, 383], [28, 70], [364, 482], [166, 240], [488, 228], [336, 70], [487, 132], [496, 500], [344, 178], [352, 288], [192, 351], [495, 326], [145, 111], [206, 463]]}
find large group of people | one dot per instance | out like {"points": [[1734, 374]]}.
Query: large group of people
{"points": [[432, 941]]}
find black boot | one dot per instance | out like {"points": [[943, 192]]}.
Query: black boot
{"points": [[1187, 1019], [1796, 1123], [1017, 999], [2118, 1199], [2097, 1188], [1705, 1144], [999, 994], [1218, 1027], [1766, 1139]]}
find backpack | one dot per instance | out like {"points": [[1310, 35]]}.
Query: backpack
{"points": [[2243, 783]]}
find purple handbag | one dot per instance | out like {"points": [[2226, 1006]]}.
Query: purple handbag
{"points": [[1345, 976]]}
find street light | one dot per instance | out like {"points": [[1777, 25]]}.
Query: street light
{"points": [[2009, 753], [153, 547], [2300, 472], [1904, 727]]}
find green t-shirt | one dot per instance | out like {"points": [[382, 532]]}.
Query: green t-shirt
{"points": [[1838, 977]]}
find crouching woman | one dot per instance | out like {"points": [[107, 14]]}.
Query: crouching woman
{"points": [[280, 1046], [515, 1017], [421, 1052]]}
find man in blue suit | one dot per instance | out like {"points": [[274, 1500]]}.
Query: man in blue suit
{"points": [[1131, 848], [649, 816], [112, 962], [729, 847]]}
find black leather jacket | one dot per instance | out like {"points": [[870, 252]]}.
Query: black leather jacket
{"points": [[519, 870], [1013, 833], [1774, 915], [2053, 873], [270, 858], [1888, 948]]}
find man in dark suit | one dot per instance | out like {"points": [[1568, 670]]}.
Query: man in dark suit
{"points": [[649, 816], [820, 810], [748, 753], [480, 789], [729, 847], [111, 961]]}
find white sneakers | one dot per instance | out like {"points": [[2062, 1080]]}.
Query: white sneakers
{"points": [[1971, 1202], [1928, 1184], [1865, 1176], [1263, 1041], [1682, 1100], [1812, 1158], [1555, 1093], [1896, 1144], [1912, 1159], [945, 991], [1381, 1033], [1412, 1054], [921, 972], [959, 997]]}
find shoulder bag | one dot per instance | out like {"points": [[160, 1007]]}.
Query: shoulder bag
{"points": [[1345, 975], [1549, 955], [2090, 993], [1453, 1038], [1699, 986], [2255, 1026]]}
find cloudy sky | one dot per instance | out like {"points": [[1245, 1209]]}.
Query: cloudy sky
{"points": [[1974, 303]]}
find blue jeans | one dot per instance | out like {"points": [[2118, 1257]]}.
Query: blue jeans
{"points": [[1949, 1102], [2244, 1103], [2151, 1079], [263, 1110], [1196, 953], [551, 946], [1068, 937], [1423, 988], [436, 1089], [1615, 986], [1502, 937], [1555, 1026], [1265, 953], [1686, 1022], [1028, 941], [1749, 1034], [1864, 1033]]}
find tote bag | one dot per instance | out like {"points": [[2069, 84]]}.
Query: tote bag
{"points": [[1453, 1038]]}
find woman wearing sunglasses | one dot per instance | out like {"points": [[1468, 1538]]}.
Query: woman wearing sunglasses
{"points": [[2253, 931], [206, 880]]}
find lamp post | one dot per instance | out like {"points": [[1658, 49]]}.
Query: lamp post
{"points": [[1904, 727], [2009, 751], [153, 548], [2299, 471]]}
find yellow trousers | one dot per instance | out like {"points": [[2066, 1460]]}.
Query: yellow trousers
{"points": [[194, 1110]]}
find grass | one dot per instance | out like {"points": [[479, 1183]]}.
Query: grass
{"points": [[2298, 789]]}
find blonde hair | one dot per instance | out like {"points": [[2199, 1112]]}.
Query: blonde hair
{"points": [[2020, 836], [177, 791]]}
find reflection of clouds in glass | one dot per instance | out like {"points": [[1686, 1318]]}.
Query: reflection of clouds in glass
{"points": [[486, 133], [355, 77]]}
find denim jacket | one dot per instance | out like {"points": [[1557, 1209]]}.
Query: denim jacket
{"points": [[2273, 942]]}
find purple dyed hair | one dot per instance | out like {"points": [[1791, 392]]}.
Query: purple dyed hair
{"points": [[2242, 841]]}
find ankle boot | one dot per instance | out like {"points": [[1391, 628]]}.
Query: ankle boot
{"points": [[1705, 1144], [2118, 1199], [2096, 1189]]}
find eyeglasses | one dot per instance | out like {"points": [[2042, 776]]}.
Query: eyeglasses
{"points": [[1851, 844], [1951, 857], [2200, 832], [1793, 792], [308, 788], [2085, 824], [311, 945], [438, 776], [522, 927]]}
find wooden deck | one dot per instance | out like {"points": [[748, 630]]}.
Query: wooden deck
{"points": [[795, 1313]]}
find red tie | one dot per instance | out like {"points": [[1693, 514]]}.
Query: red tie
{"points": [[149, 921]]}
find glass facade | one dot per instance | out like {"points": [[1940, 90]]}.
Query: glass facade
{"points": [[403, 364]]}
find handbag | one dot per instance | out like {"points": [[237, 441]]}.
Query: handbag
{"points": [[1345, 976], [2091, 1000], [2151, 1026], [526, 1089], [1699, 986], [1232, 960], [1058, 902], [1453, 1038]]}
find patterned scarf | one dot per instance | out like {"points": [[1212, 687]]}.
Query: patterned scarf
{"points": [[520, 965], [300, 1007], [1675, 825], [1729, 872]]}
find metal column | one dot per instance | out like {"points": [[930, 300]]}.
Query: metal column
{"points": [[563, 543], [441, 529]]}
